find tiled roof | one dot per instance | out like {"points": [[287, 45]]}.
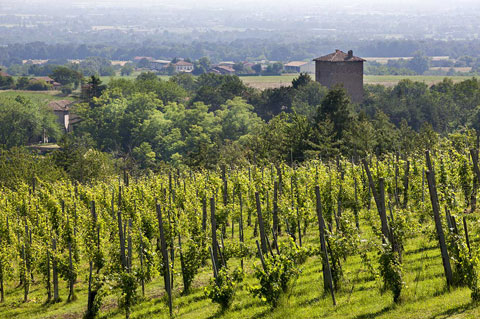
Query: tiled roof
{"points": [[184, 63], [60, 105], [339, 56], [225, 68]]}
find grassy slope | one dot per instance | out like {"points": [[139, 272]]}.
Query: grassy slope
{"points": [[424, 295], [36, 96]]}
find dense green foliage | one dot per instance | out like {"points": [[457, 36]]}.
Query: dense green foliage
{"points": [[108, 231], [23, 122]]}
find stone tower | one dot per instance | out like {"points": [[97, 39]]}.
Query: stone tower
{"points": [[341, 68]]}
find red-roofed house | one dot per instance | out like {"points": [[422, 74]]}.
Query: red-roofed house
{"points": [[48, 80], [183, 66], [223, 69]]}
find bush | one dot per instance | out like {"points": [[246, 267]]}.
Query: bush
{"points": [[67, 89], [222, 289], [6, 82], [275, 278], [38, 85], [391, 271], [465, 273]]}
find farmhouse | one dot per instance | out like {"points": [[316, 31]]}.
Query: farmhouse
{"points": [[61, 109], [299, 67], [222, 69], [48, 80], [183, 66], [340, 68]]}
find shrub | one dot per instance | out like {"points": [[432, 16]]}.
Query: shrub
{"points": [[275, 278], [391, 271], [222, 289]]}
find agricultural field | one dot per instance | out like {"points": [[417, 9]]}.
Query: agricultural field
{"points": [[264, 82], [41, 97], [133, 244]]}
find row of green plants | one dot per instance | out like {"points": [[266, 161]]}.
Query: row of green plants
{"points": [[122, 234]]}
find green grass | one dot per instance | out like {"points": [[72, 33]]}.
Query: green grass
{"points": [[262, 82], [393, 79], [42, 97], [424, 294]]}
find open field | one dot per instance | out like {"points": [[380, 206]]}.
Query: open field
{"points": [[36, 96], [264, 82]]}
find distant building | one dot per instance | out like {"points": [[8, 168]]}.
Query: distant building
{"points": [[61, 109], [222, 69], [48, 80], [183, 66], [341, 68], [158, 65], [300, 67], [227, 63], [4, 73], [34, 62]]}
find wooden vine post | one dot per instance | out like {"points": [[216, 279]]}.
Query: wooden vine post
{"points": [[166, 266], [327, 272], [263, 240], [405, 184], [379, 200], [214, 234], [438, 223]]}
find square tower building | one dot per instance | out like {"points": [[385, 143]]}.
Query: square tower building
{"points": [[341, 68]]}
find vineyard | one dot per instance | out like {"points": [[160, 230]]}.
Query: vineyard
{"points": [[394, 236]]}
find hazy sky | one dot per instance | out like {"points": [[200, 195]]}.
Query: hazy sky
{"points": [[380, 4]]}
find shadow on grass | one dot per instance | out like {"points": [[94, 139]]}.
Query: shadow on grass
{"points": [[454, 311], [420, 250], [221, 313], [375, 314]]}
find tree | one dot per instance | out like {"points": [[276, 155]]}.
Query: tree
{"points": [[215, 89], [167, 91], [239, 68], [274, 69], [65, 76], [37, 85], [257, 68], [274, 101], [201, 66], [307, 98], [6, 82], [127, 69], [144, 156], [143, 63], [93, 88], [419, 63], [185, 80], [336, 108], [23, 122], [361, 136], [22, 83], [96, 66], [237, 119], [301, 80]]}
